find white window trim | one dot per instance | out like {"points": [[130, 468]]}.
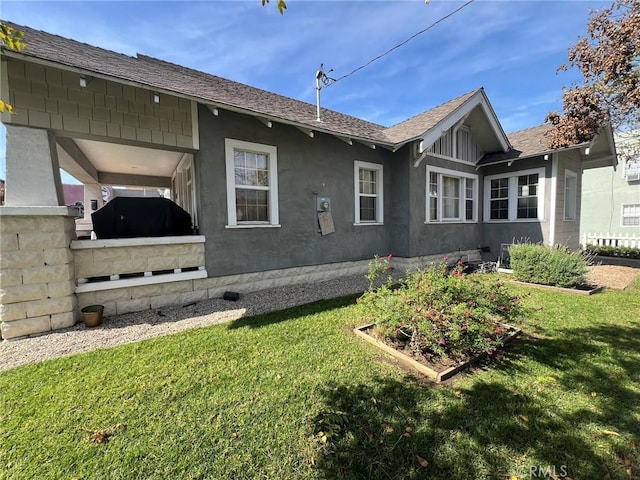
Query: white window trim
{"points": [[570, 174], [513, 196], [622, 215], [357, 165], [456, 174], [271, 151]]}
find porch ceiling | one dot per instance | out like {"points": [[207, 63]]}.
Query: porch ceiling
{"points": [[95, 157]]}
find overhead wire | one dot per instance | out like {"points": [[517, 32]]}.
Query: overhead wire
{"points": [[440, 20]]}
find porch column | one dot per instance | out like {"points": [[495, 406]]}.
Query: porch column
{"points": [[37, 279], [33, 175]]}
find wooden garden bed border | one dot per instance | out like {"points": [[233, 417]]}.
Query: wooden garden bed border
{"points": [[422, 368]]}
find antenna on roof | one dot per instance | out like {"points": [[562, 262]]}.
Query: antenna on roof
{"points": [[322, 80]]}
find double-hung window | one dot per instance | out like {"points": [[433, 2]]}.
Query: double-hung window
{"points": [[631, 215], [451, 196], [252, 184], [368, 187], [514, 196]]}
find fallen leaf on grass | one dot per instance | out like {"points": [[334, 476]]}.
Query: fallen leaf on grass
{"points": [[523, 418], [594, 394], [422, 461], [610, 432], [368, 432], [387, 428], [102, 436]]}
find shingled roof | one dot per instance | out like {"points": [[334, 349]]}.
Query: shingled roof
{"points": [[217, 91], [524, 143]]}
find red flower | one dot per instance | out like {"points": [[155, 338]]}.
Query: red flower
{"points": [[442, 341]]}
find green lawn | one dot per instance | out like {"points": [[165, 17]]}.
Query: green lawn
{"points": [[250, 399]]}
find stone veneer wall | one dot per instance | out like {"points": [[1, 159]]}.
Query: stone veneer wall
{"points": [[37, 279], [92, 260], [47, 97]]}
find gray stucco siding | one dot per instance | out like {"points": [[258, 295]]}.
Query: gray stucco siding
{"points": [[434, 238], [322, 165]]}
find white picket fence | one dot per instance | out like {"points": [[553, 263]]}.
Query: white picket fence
{"points": [[610, 239]]}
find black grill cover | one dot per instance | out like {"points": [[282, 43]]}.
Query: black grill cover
{"points": [[129, 217]]}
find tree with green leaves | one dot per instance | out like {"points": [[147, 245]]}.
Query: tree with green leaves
{"points": [[12, 39], [609, 60]]}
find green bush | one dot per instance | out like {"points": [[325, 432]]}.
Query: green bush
{"points": [[547, 265], [440, 312], [611, 251]]}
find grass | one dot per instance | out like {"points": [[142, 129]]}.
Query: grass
{"points": [[295, 395]]}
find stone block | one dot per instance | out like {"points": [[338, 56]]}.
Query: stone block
{"points": [[166, 300], [50, 306], [10, 277], [109, 308], [12, 311], [192, 297], [133, 265], [191, 260], [23, 293], [22, 259], [205, 283], [63, 320], [27, 326], [8, 242], [47, 274], [58, 256], [113, 295], [110, 254], [61, 289], [162, 263], [43, 241], [86, 298], [135, 305], [18, 225]]}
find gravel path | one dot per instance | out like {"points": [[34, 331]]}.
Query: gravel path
{"points": [[133, 327]]}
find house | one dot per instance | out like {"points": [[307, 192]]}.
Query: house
{"points": [[611, 196], [276, 195]]}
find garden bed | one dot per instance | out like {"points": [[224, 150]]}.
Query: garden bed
{"points": [[436, 368], [582, 289]]}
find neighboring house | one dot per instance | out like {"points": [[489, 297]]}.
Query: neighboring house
{"points": [[611, 196], [274, 192]]}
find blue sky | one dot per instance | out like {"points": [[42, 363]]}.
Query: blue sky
{"points": [[511, 48]]}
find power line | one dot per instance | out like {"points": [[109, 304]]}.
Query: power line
{"points": [[403, 43]]}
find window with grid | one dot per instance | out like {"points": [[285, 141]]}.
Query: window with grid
{"points": [[499, 199], [631, 215], [528, 196], [514, 196], [451, 195], [251, 183], [368, 189]]}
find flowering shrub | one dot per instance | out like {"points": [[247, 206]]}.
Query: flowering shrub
{"points": [[441, 311]]}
